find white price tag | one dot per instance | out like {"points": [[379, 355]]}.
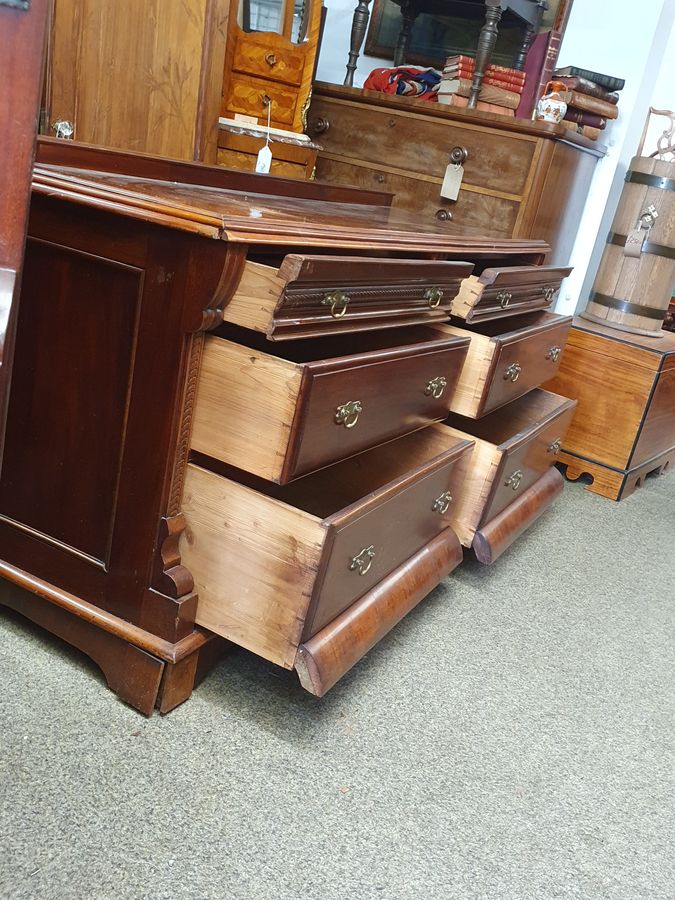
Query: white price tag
{"points": [[634, 241], [452, 181], [264, 162]]}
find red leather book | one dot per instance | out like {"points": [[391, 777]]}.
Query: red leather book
{"points": [[488, 93], [509, 84], [466, 66]]}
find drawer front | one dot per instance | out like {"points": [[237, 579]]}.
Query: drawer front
{"points": [[247, 95], [366, 401], [496, 159], [527, 459], [508, 291], [363, 548], [483, 214], [327, 295], [253, 55], [523, 360]]}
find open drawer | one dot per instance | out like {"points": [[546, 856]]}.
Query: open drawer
{"points": [[310, 296], [282, 410], [506, 361], [507, 291], [514, 448], [274, 566]]}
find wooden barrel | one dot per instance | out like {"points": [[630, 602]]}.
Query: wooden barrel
{"points": [[632, 293]]}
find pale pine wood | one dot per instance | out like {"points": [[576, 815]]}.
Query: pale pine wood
{"points": [[245, 406], [154, 93], [471, 386], [256, 298], [479, 469], [254, 560], [469, 294]]}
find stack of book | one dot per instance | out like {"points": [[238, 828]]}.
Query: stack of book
{"points": [[500, 90], [591, 99]]}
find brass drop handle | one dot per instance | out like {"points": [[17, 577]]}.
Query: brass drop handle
{"points": [[363, 560], [338, 301], [435, 387], [348, 414], [459, 155], [504, 298], [271, 60], [513, 372], [554, 447], [433, 296], [442, 504], [554, 353], [549, 293], [513, 481]]}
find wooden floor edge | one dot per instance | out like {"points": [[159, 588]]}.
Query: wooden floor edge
{"points": [[499, 533], [324, 658], [103, 619]]}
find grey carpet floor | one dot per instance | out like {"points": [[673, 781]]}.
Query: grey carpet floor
{"points": [[512, 738]]}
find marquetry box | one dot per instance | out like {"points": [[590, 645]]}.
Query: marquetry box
{"points": [[624, 426]]}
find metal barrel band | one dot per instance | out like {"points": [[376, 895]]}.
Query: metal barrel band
{"points": [[657, 181], [648, 247], [649, 312]]}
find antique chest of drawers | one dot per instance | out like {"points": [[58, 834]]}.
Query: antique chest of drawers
{"points": [[267, 470], [521, 179]]}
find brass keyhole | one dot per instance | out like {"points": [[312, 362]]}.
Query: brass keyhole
{"points": [[363, 560], [338, 301], [348, 414], [513, 372], [435, 387], [513, 481], [433, 296], [442, 504]]}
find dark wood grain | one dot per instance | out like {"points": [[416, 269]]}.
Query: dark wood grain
{"points": [[22, 39], [499, 533], [658, 427], [324, 658], [397, 521], [529, 348], [392, 388]]}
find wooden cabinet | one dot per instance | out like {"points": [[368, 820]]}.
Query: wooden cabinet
{"points": [[521, 178], [141, 550], [156, 93], [624, 427], [270, 62]]}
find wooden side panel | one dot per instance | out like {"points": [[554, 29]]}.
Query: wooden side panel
{"points": [[245, 407], [256, 297], [254, 560], [478, 472], [325, 658], [611, 397], [65, 400], [22, 35], [658, 430], [149, 93], [473, 381]]}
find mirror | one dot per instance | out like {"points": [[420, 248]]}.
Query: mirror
{"points": [[285, 17]]}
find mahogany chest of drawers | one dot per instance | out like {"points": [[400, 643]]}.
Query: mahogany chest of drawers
{"points": [[226, 418], [521, 179]]}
